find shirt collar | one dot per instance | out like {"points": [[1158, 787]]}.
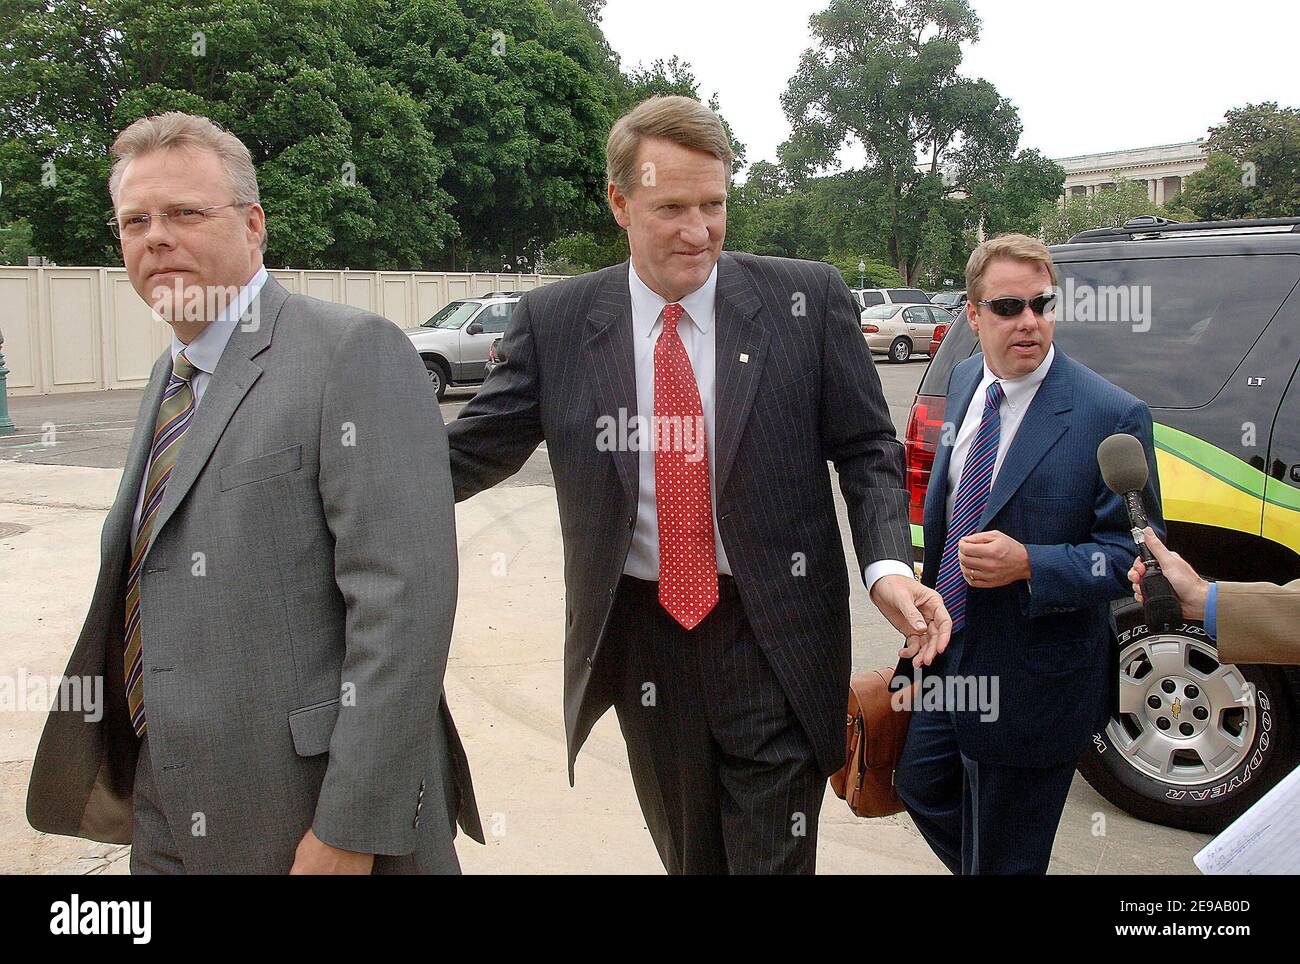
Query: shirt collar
{"points": [[1017, 390], [205, 351], [646, 304]]}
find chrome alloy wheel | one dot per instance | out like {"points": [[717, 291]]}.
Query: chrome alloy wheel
{"points": [[1184, 717]]}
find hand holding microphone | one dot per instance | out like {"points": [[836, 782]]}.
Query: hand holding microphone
{"points": [[1124, 468], [1190, 588]]}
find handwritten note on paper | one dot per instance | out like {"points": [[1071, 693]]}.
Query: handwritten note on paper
{"points": [[1263, 840]]}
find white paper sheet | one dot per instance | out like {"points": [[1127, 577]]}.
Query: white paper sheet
{"points": [[1263, 840]]}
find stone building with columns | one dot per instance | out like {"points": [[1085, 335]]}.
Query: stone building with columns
{"points": [[1164, 169]]}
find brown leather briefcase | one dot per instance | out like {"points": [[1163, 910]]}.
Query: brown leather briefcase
{"points": [[876, 729]]}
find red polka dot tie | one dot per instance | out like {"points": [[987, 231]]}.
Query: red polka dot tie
{"points": [[688, 565]]}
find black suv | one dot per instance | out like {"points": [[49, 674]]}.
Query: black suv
{"points": [[1202, 321]]}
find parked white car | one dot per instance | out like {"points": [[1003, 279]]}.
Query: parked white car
{"points": [[866, 297], [454, 343]]}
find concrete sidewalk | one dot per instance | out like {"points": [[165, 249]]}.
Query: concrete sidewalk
{"points": [[503, 683]]}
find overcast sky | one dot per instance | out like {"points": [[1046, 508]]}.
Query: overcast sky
{"points": [[1086, 77]]}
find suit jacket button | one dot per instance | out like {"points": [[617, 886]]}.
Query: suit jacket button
{"points": [[588, 662]]}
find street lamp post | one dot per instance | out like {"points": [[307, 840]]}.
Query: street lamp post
{"points": [[862, 274], [6, 423]]}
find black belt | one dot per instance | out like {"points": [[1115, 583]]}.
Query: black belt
{"points": [[727, 588]]}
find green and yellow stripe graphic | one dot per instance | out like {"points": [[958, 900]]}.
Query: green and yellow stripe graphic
{"points": [[1201, 483]]}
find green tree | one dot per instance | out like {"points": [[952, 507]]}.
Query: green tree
{"points": [[387, 133], [1253, 167], [58, 84], [765, 181], [518, 93], [1011, 197], [878, 273], [585, 251], [883, 74], [16, 243], [1108, 208], [348, 171], [1217, 192]]}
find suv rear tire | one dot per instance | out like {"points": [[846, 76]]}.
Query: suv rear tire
{"points": [[438, 376], [1237, 730]]}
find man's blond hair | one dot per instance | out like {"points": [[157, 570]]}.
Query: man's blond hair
{"points": [[192, 132], [1016, 247], [682, 120]]}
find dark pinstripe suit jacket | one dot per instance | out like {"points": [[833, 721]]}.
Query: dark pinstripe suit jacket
{"points": [[807, 395]]}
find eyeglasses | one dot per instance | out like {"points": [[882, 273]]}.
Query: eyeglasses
{"points": [[1010, 307], [137, 225]]}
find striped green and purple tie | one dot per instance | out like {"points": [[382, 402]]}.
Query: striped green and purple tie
{"points": [[173, 419]]}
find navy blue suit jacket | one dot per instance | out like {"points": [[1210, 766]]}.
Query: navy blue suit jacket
{"points": [[1047, 640]]}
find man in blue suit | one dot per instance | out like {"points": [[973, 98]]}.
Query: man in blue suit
{"points": [[1027, 547]]}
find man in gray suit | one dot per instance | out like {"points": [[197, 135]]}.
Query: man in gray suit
{"points": [[278, 574]]}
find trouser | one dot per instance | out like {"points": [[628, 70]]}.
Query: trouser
{"points": [[978, 818], [724, 772], [153, 847]]}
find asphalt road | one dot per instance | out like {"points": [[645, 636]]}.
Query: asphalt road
{"points": [[94, 428]]}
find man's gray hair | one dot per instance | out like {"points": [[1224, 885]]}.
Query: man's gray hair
{"points": [[177, 130]]}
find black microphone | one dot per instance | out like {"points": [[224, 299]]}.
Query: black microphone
{"points": [[1124, 468]]}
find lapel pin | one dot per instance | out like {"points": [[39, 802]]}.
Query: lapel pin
{"points": [[744, 358]]}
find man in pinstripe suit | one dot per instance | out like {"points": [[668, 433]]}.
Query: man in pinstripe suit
{"points": [[690, 401]]}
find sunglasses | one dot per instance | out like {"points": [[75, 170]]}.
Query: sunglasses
{"points": [[1010, 307]]}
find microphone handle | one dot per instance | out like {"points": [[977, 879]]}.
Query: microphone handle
{"points": [[1160, 603], [1137, 517]]}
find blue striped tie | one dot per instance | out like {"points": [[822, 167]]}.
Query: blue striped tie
{"points": [[972, 496]]}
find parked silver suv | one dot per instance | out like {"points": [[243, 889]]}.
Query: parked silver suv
{"points": [[454, 343]]}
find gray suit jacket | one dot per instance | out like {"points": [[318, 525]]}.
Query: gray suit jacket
{"points": [[297, 602]]}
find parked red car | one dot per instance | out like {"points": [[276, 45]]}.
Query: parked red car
{"points": [[936, 337]]}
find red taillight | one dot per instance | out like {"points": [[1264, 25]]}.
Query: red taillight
{"points": [[870, 329], [924, 427], [936, 338]]}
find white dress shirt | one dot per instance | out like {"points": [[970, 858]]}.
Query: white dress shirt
{"points": [[699, 336], [204, 352], [1018, 393], [700, 339]]}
